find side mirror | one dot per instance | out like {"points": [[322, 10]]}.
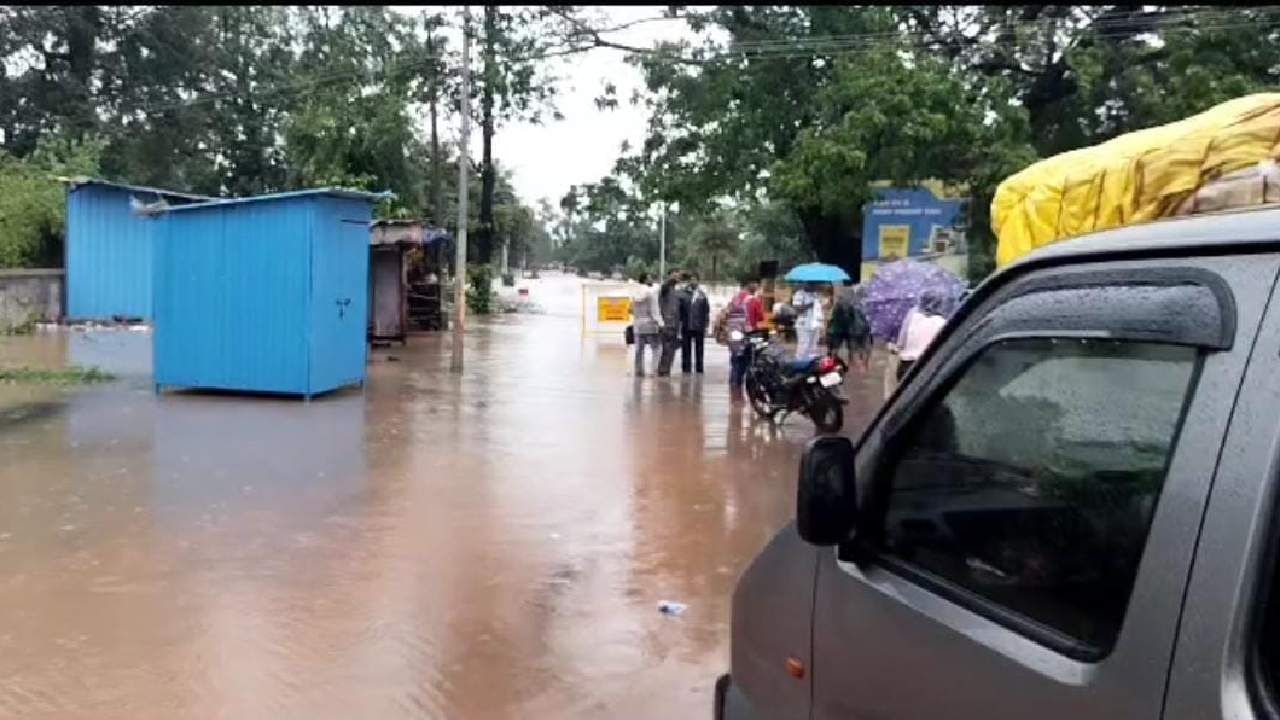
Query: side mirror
{"points": [[826, 500]]}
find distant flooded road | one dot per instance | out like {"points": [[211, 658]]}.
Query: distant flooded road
{"points": [[493, 545]]}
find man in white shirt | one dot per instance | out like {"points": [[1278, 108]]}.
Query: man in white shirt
{"points": [[808, 305], [647, 322], [919, 328]]}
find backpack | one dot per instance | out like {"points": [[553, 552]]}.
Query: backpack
{"points": [[849, 318], [720, 326], [785, 315], [731, 317], [859, 326]]}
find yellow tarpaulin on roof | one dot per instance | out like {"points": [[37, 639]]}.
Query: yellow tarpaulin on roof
{"points": [[1141, 176]]}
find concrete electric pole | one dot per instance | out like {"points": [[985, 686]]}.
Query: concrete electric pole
{"points": [[662, 245], [464, 161]]}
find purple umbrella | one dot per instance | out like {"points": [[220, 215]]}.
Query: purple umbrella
{"points": [[897, 287]]}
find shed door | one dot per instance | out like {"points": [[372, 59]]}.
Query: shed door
{"points": [[388, 293], [339, 303]]}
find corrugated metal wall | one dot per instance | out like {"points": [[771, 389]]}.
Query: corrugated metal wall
{"points": [[231, 296], [248, 296], [109, 255], [340, 293]]}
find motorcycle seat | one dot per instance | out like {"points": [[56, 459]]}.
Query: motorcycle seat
{"points": [[802, 365]]}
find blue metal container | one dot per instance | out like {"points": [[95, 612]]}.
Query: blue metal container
{"points": [[110, 247], [264, 294]]}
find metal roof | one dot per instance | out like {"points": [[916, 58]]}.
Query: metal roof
{"points": [[405, 232], [326, 191], [1243, 226], [77, 182]]}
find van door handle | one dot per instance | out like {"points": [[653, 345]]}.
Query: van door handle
{"points": [[342, 305]]}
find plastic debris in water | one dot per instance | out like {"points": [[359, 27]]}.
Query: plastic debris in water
{"points": [[671, 607]]}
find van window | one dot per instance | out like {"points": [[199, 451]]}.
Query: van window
{"points": [[1032, 482]]}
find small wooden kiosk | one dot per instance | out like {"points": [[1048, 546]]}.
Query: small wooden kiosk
{"points": [[405, 269]]}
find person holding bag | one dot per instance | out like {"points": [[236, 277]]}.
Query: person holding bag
{"points": [[919, 328], [646, 323]]}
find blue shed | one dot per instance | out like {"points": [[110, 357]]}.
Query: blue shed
{"points": [[110, 246], [264, 294]]}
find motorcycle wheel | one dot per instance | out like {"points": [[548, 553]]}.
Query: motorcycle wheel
{"points": [[759, 398], [827, 413]]}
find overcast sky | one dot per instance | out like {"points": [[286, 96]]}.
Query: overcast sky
{"points": [[547, 159]]}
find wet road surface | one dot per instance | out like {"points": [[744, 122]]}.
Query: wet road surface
{"points": [[493, 545]]}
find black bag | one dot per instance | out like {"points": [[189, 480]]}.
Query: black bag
{"points": [[630, 334], [785, 316]]}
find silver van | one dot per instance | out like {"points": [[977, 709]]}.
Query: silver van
{"points": [[1066, 510]]}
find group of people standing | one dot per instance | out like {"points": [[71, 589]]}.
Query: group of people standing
{"points": [[677, 313]]}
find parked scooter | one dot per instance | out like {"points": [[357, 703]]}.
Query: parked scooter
{"points": [[777, 386]]}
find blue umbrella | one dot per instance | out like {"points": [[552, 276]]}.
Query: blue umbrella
{"points": [[816, 272]]}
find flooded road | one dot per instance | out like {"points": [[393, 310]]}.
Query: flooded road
{"points": [[493, 545]]}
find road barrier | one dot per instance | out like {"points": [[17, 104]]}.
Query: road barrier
{"points": [[606, 308]]}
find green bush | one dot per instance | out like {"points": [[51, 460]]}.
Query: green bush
{"points": [[636, 266], [479, 290], [25, 327], [33, 202], [69, 375]]}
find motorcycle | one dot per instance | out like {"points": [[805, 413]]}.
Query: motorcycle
{"points": [[778, 387]]}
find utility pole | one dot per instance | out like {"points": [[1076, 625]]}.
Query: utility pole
{"points": [[464, 160], [437, 164], [662, 245]]}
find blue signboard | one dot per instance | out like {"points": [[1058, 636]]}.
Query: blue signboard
{"points": [[910, 223]]}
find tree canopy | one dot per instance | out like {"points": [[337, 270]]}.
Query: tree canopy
{"points": [[808, 106], [774, 121], [229, 101]]}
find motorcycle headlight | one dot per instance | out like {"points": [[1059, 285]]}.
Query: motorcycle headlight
{"points": [[736, 335]]}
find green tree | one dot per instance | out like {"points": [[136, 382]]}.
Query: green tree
{"points": [[351, 127], [810, 105], [513, 84], [192, 113], [62, 67], [435, 54], [607, 227], [720, 118], [33, 201], [710, 241], [885, 116]]}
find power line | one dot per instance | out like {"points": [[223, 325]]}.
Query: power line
{"points": [[1113, 28], [1120, 23], [921, 41]]}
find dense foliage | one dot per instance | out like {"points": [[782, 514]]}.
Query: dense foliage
{"points": [[765, 134], [808, 106], [229, 101]]}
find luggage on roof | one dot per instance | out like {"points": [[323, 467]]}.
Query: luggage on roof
{"points": [[1222, 158]]}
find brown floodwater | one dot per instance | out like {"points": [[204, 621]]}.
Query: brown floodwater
{"points": [[493, 545]]}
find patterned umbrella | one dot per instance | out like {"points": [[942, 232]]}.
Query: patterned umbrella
{"points": [[897, 287]]}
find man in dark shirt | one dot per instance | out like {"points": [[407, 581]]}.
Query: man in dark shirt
{"points": [[669, 303], [695, 317]]}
